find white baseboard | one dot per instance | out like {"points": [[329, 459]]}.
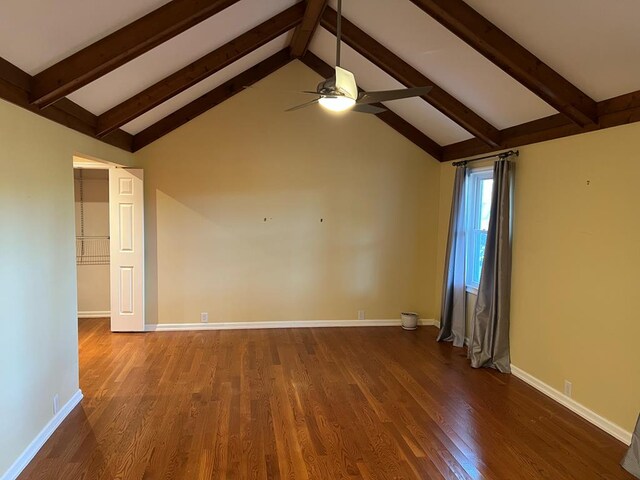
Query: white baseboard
{"points": [[172, 327], [23, 460], [589, 415], [94, 314]]}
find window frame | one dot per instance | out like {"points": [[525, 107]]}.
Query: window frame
{"points": [[473, 200]]}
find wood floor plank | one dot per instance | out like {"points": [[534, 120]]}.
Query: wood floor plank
{"points": [[365, 403]]}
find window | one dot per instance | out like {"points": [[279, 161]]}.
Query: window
{"points": [[479, 187]]}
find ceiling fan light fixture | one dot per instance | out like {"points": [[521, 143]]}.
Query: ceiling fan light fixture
{"points": [[340, 92], [337, 104]]}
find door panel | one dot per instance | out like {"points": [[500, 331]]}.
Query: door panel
{"points": [[127, 249]]}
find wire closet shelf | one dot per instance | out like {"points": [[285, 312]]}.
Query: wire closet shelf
{"points": [[92, 250]]}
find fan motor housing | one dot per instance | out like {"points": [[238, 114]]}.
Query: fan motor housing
{"points": [[328, 87]]}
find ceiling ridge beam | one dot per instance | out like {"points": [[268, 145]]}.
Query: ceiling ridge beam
{"points": [[620, 110], [404, 73], [304, 33], [120, 47], [14, 88], [392, 119], [209, 100], [518, 62], [199, 70]]}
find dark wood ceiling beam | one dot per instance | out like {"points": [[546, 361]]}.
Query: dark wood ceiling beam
{"points": [[304, 33], [482, 35], [392, 119], [120, 47], [394, 66], [200, 69], [14, 88], [613, 112], [211, 99], [411, 133], [554, 126]]}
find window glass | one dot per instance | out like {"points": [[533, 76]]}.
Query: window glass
{"points": [[479, 189], [485, 203]]}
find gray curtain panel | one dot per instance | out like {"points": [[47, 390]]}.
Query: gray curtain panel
{"points": [[631, 461], [489, 338], [452, 320]]}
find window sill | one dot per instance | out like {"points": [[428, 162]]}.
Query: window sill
{"points": [[472, 290]]}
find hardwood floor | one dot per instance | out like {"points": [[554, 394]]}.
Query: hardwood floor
{"points": [[350, 403]]}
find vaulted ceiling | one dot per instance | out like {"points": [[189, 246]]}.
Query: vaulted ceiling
{"points": [[505, 72]]}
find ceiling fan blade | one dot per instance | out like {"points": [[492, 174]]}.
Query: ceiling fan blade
{"points": [[365, 108], [303, 105], [388, 95], [270, 91], [346, 83]]}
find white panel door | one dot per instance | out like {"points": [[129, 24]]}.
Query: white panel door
{"points": [[126, 231]]}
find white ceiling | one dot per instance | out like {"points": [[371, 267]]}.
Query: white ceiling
{"points": [[595, 44], [592, 43], [456, 67], [180, 100], [180, 51], [35, 34]]}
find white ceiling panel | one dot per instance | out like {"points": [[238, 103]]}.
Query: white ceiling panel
{"points": [[35, 34], [144, 71], [430, 48], [369, 77], [592, 43], [182, 99]]}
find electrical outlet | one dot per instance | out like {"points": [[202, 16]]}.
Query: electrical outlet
{"points": [[56, 405], [360, 314], [204, 317], [568, 387]]}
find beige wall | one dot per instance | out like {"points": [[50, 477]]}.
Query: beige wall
{"points": [[576, 264], [93, 280], [38, 344], [210, 184]]}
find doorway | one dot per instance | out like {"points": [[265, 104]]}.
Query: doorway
{"points": [[109, 243], [91, 195]]}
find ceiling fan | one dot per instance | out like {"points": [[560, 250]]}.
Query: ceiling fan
{"points": [[340, 92]]}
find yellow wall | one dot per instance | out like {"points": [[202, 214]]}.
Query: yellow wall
{"points": [[210, 184], [576, 264], [38, 344]]}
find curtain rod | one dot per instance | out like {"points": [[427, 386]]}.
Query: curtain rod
{"points": [[499, 155]]}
